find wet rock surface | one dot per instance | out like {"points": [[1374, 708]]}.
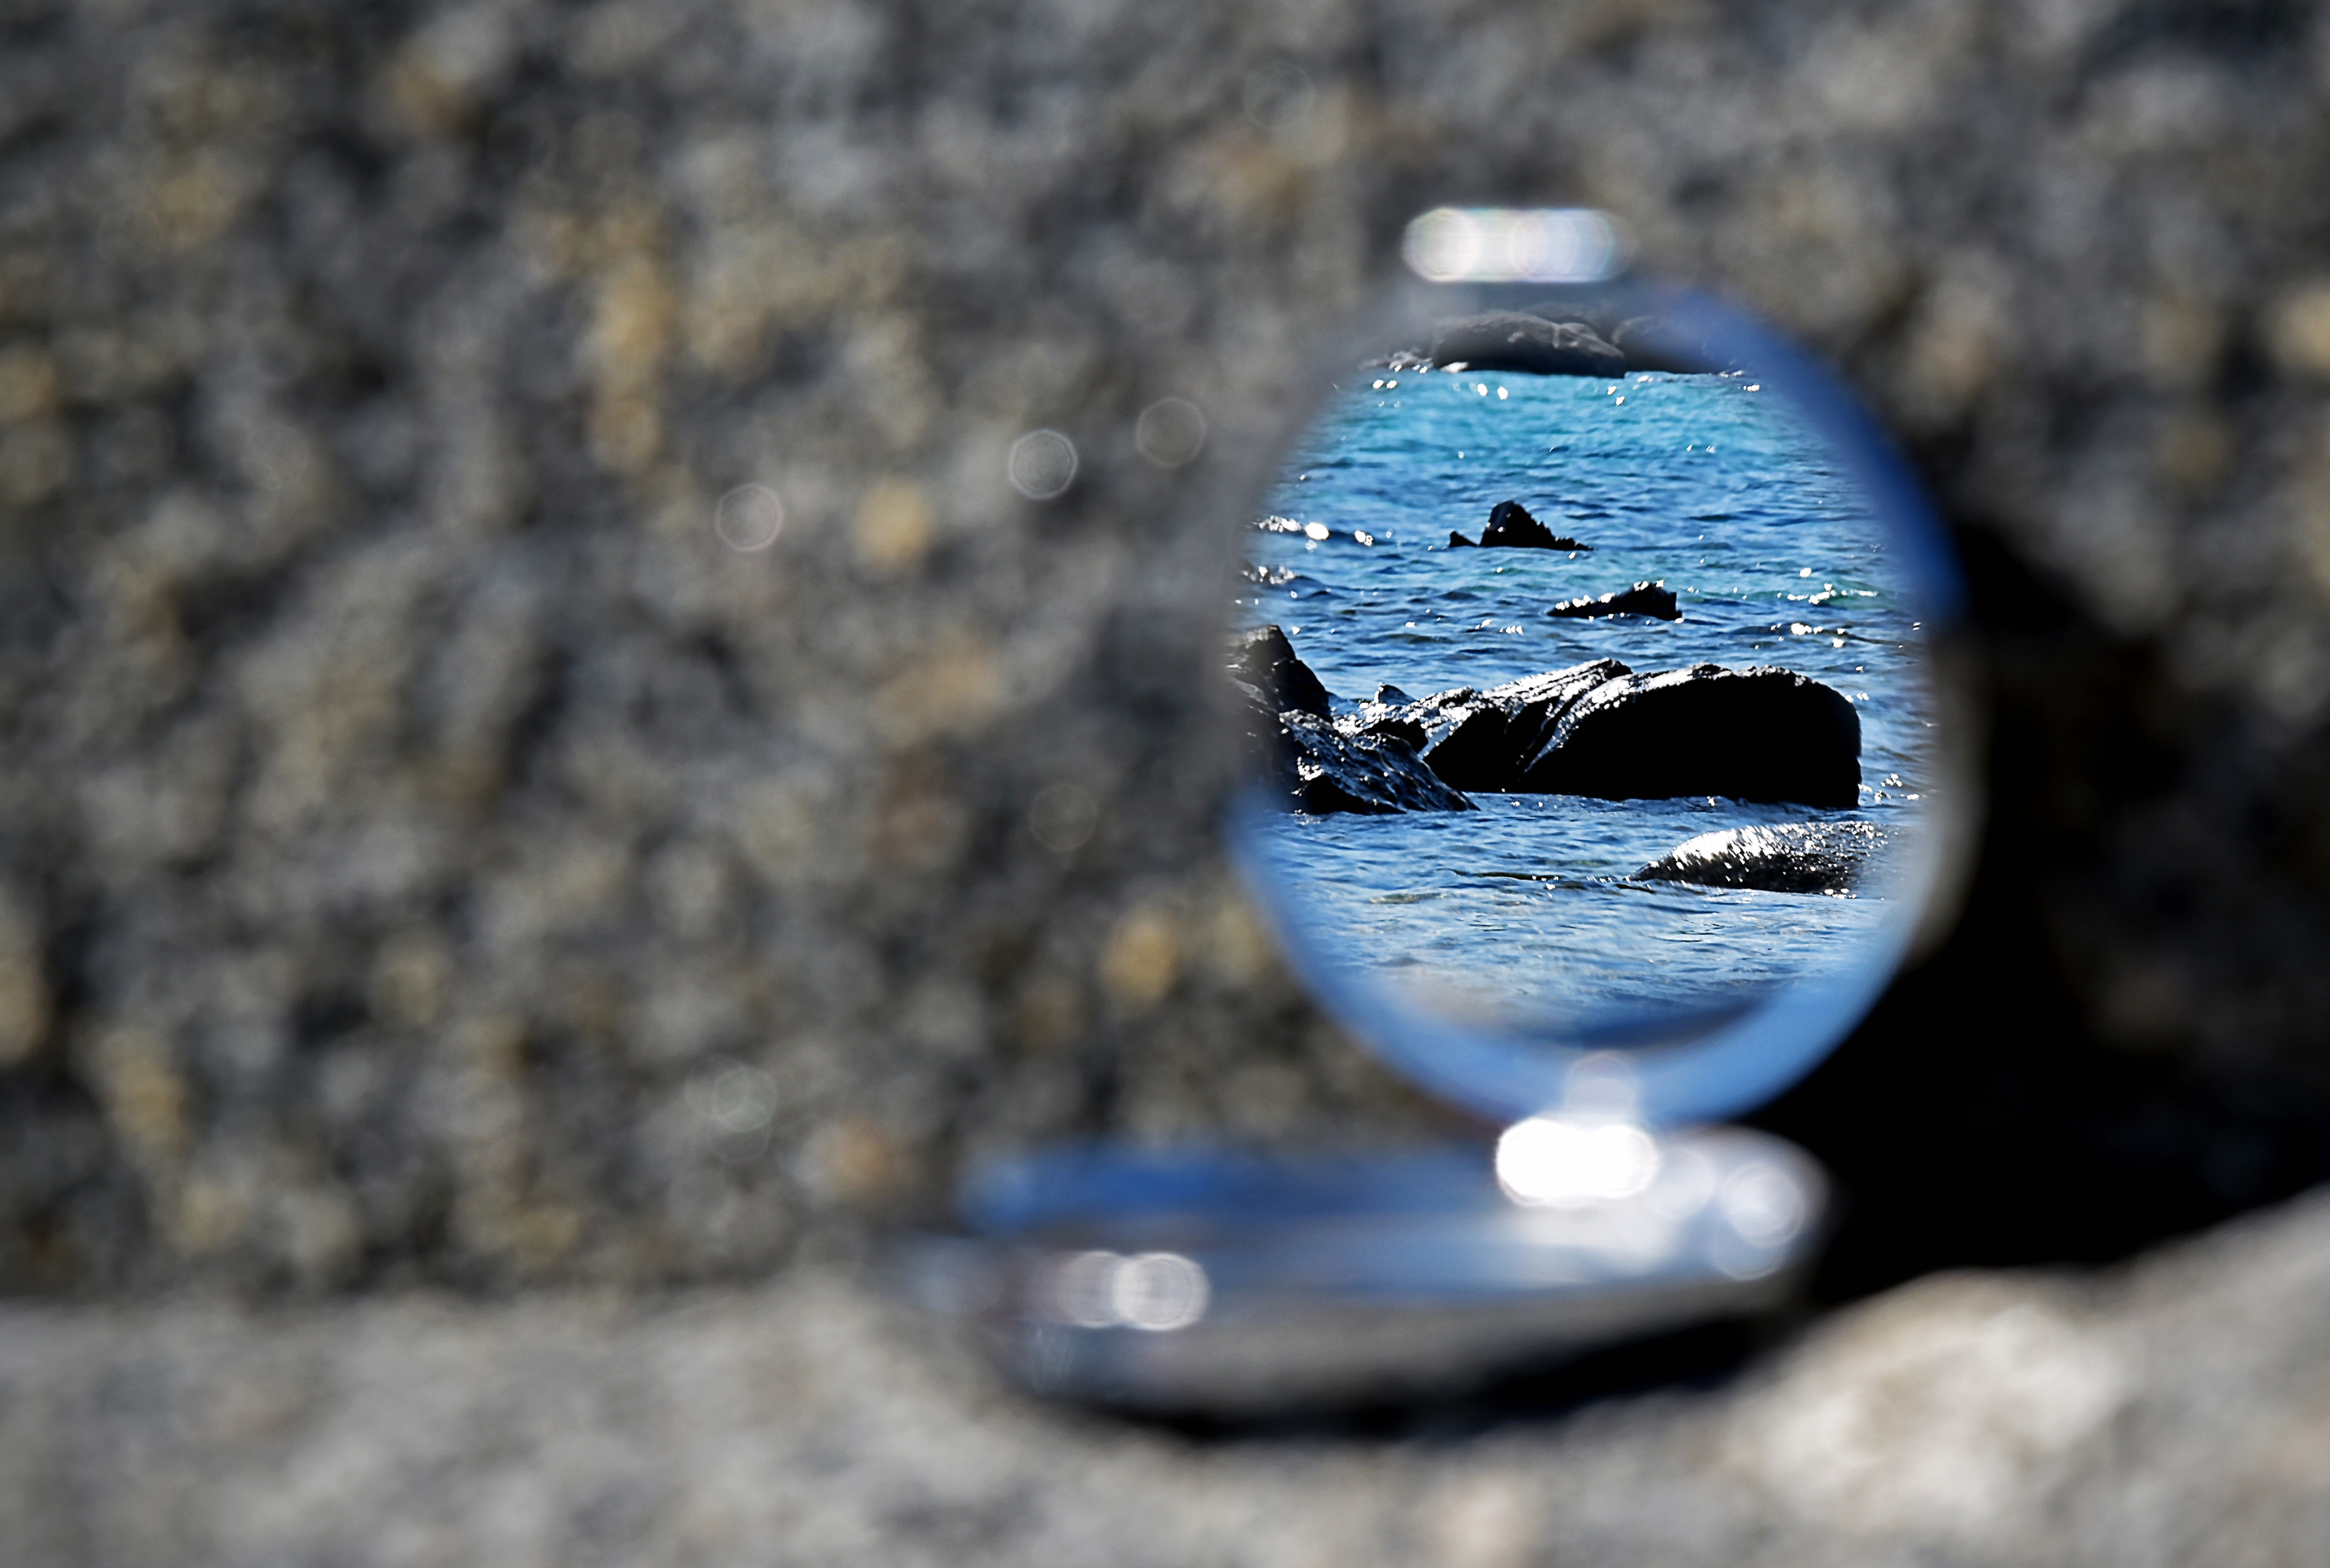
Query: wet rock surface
{"points": [[1322, 764], [1777, 858], [1652, 598], [1265, 660], [1511, 527], [1336, 771], [1596, 728], [1486, 740], [1761, 734]]}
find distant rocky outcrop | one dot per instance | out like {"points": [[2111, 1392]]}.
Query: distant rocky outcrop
{"points": [[1510, 527], [1509, 340], [1654, 599], [1781, 857]]}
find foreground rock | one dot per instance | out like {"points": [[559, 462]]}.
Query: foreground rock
{"points": [[1991, 1419], [1761, 734], [1486, 740], [1335, 769], [1509, 340], [1264, 659], [1323, 766], [1596, 729], [1511, 528], [1781, 857], [1654, 599]]}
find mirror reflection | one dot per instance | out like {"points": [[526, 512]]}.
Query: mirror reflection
{"points": [[1588, 681]]}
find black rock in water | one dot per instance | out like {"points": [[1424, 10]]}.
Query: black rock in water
{"points": [[1485, 740], [1456, 538], [1762, 734], [1324, 766], [1264, 659], [1508, 341], [1336, 770], [1783, 858], [1642, 599], [1511, 527]]}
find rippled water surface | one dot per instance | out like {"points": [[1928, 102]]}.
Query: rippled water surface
{"points": [[1709, 483]]}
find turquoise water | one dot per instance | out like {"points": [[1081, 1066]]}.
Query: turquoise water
{"points": [[1526, 910]]}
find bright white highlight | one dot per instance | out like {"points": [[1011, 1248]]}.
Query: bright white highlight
{"points": [[1156, 1292], [1514, 245], [1043, 464], [1550, 1161]]}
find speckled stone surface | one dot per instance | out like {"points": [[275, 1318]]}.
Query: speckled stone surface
{"points": [[2176, 1414], [455, 832]]}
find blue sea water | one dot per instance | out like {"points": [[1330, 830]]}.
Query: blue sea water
{"points": [[1527, 912]]}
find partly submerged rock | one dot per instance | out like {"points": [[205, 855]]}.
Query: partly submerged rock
{"points": [[1597, 729], [1511, 528], [1762, 734], [1508, 341], [1324, 767], [1642, 599], [1456, 539], [1485, 740], [1263, 659], [1782, 857], [1336, 770]]}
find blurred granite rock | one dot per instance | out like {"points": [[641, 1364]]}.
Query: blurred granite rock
{"points": [[549, 734], [2173, 1413]]}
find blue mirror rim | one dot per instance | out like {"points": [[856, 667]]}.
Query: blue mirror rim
{"points": [[1740, 1063]]}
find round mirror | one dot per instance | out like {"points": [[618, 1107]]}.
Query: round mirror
{"points": [[1590, 653], [1588, 649]]}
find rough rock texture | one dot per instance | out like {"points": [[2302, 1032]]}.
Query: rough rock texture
{"points": [[437, 844], [1322, 764], [2174, 1414], [1780, 857], [1265, 660], [1510, 525], [1761, 734], [1485, 740], [1334, 770], [1514, 341]]}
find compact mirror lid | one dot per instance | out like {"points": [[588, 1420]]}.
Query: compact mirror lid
{"points": [[1557, 585]]}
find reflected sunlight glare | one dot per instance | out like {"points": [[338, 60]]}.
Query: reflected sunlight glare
{"points": [[1561, 1163], [1514, 245], [1153, 1291]]}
